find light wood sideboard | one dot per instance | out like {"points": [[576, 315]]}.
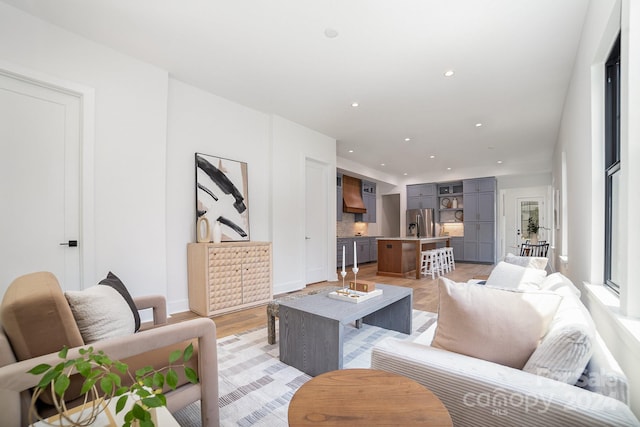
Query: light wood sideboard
{"points": [[230, 276]]}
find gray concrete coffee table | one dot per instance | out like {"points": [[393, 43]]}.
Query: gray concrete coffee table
{"points": [[312, 327]]}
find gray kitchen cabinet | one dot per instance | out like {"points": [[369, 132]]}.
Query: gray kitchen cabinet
{"points": [[362, 249], [369, 200], [339, 197], [347, 243], [457, 243], [479, 219], [422, 196], [479, 185], [373, 249]]}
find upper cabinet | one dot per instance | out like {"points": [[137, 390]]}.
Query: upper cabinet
{"points": [[422, 196], [369, 199], [479, 185]]}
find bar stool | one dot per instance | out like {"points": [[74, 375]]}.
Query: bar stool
{"points": [[430, 263], [450, 260], [444, 263]]}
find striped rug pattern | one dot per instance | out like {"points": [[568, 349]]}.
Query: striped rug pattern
{"points": [[255, 387]]}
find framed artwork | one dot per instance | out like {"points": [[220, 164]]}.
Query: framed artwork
{"points": [[222, 195]]}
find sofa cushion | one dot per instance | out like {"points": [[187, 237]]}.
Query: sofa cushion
{"points": [[527, 261], [499, 325], [113, 281], [100, 312], [566, 349], [511, 276], [558, 282]]}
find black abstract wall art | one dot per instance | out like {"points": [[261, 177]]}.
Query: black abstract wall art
{"points": [[222, 195]]}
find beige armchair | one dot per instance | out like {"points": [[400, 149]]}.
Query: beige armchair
{"points": [[37, 321]]}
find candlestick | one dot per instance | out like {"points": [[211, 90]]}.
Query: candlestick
{"points": [[355, 277], [355, 255], [343, 273], [343, 260]]}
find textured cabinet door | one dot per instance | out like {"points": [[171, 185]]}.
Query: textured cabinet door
{"points": [[228, 276]]}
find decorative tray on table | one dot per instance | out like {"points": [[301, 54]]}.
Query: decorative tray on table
{"points": [[356, 292]]}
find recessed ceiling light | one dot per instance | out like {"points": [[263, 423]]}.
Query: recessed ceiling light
{"points": [[478, 125], [499, 162], [351, 151], [330, 33], [381, 164], [432, 157], [448, 169], [407, 139], [449, 73], [405, 174], [354, 104]]}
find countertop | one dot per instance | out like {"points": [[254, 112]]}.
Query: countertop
{"points": [[413, 239]]}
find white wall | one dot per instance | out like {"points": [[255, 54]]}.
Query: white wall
{"points": [[147, 129], [292, 145], [199, 121], [580, 137], [130, 126]]}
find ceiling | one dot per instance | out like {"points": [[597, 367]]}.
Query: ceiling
{"points": [[512, 61]]}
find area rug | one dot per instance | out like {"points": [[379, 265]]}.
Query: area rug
{"points": [[255, 387]]}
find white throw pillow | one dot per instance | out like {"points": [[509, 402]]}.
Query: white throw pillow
{"points": [[100, 312], [527, 261], [511, 276], [499, 325], [568, 346]]}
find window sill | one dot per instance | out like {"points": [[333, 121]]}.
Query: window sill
{"points": [[629, 327]]}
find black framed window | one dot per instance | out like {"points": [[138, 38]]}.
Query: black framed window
{"points": [[612, 267]]}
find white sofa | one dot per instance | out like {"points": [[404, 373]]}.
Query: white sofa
{"points": [[478, 392]]}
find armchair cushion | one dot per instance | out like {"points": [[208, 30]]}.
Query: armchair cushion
{"points": [[36, 317], [100, 312], [113, 281], [527, 261], [498, 325]]}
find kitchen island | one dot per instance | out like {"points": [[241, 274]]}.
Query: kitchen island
{"points": [[400, 255]]}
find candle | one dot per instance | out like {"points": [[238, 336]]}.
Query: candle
{"points": [[355, 256], [343, 259]]}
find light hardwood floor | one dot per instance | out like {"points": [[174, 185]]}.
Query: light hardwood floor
{"points": [[425, 296]]}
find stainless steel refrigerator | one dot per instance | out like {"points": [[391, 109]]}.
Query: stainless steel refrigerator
{"points": [[421, 223]]}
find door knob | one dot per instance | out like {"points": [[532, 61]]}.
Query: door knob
{"points": [[307, 238], [70, 243]]}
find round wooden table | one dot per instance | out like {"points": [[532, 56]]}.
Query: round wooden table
{"points": [[365, 397]]}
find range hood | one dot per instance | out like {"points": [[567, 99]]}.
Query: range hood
{"points": [[352, 195]]}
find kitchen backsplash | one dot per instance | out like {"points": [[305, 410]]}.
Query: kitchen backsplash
{"points": [[349, 228], [453, 230]]}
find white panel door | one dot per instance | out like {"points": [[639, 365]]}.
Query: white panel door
{"points": [[316, 226], [39, 181]]}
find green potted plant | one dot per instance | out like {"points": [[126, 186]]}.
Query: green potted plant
{"points": [[102, 383], [532, 229]]}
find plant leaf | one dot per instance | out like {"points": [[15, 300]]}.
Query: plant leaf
{"points": [[106, 384], [115, 379], [158, 380], [122, 367], [143, 371], [172, 378], [48, 377], [41, 368], [140, 413], [87, 384], [61, 384], [191, 375], [122, 401], [63, 353], [188, 352], [152, 402], [175, 355]]}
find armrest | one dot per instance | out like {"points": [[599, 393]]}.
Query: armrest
{"points": [[14, 377], [159, 305], [477, 392]]}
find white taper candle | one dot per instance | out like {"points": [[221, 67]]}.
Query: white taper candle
{"points": [[343, 258], [355, 256]]}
